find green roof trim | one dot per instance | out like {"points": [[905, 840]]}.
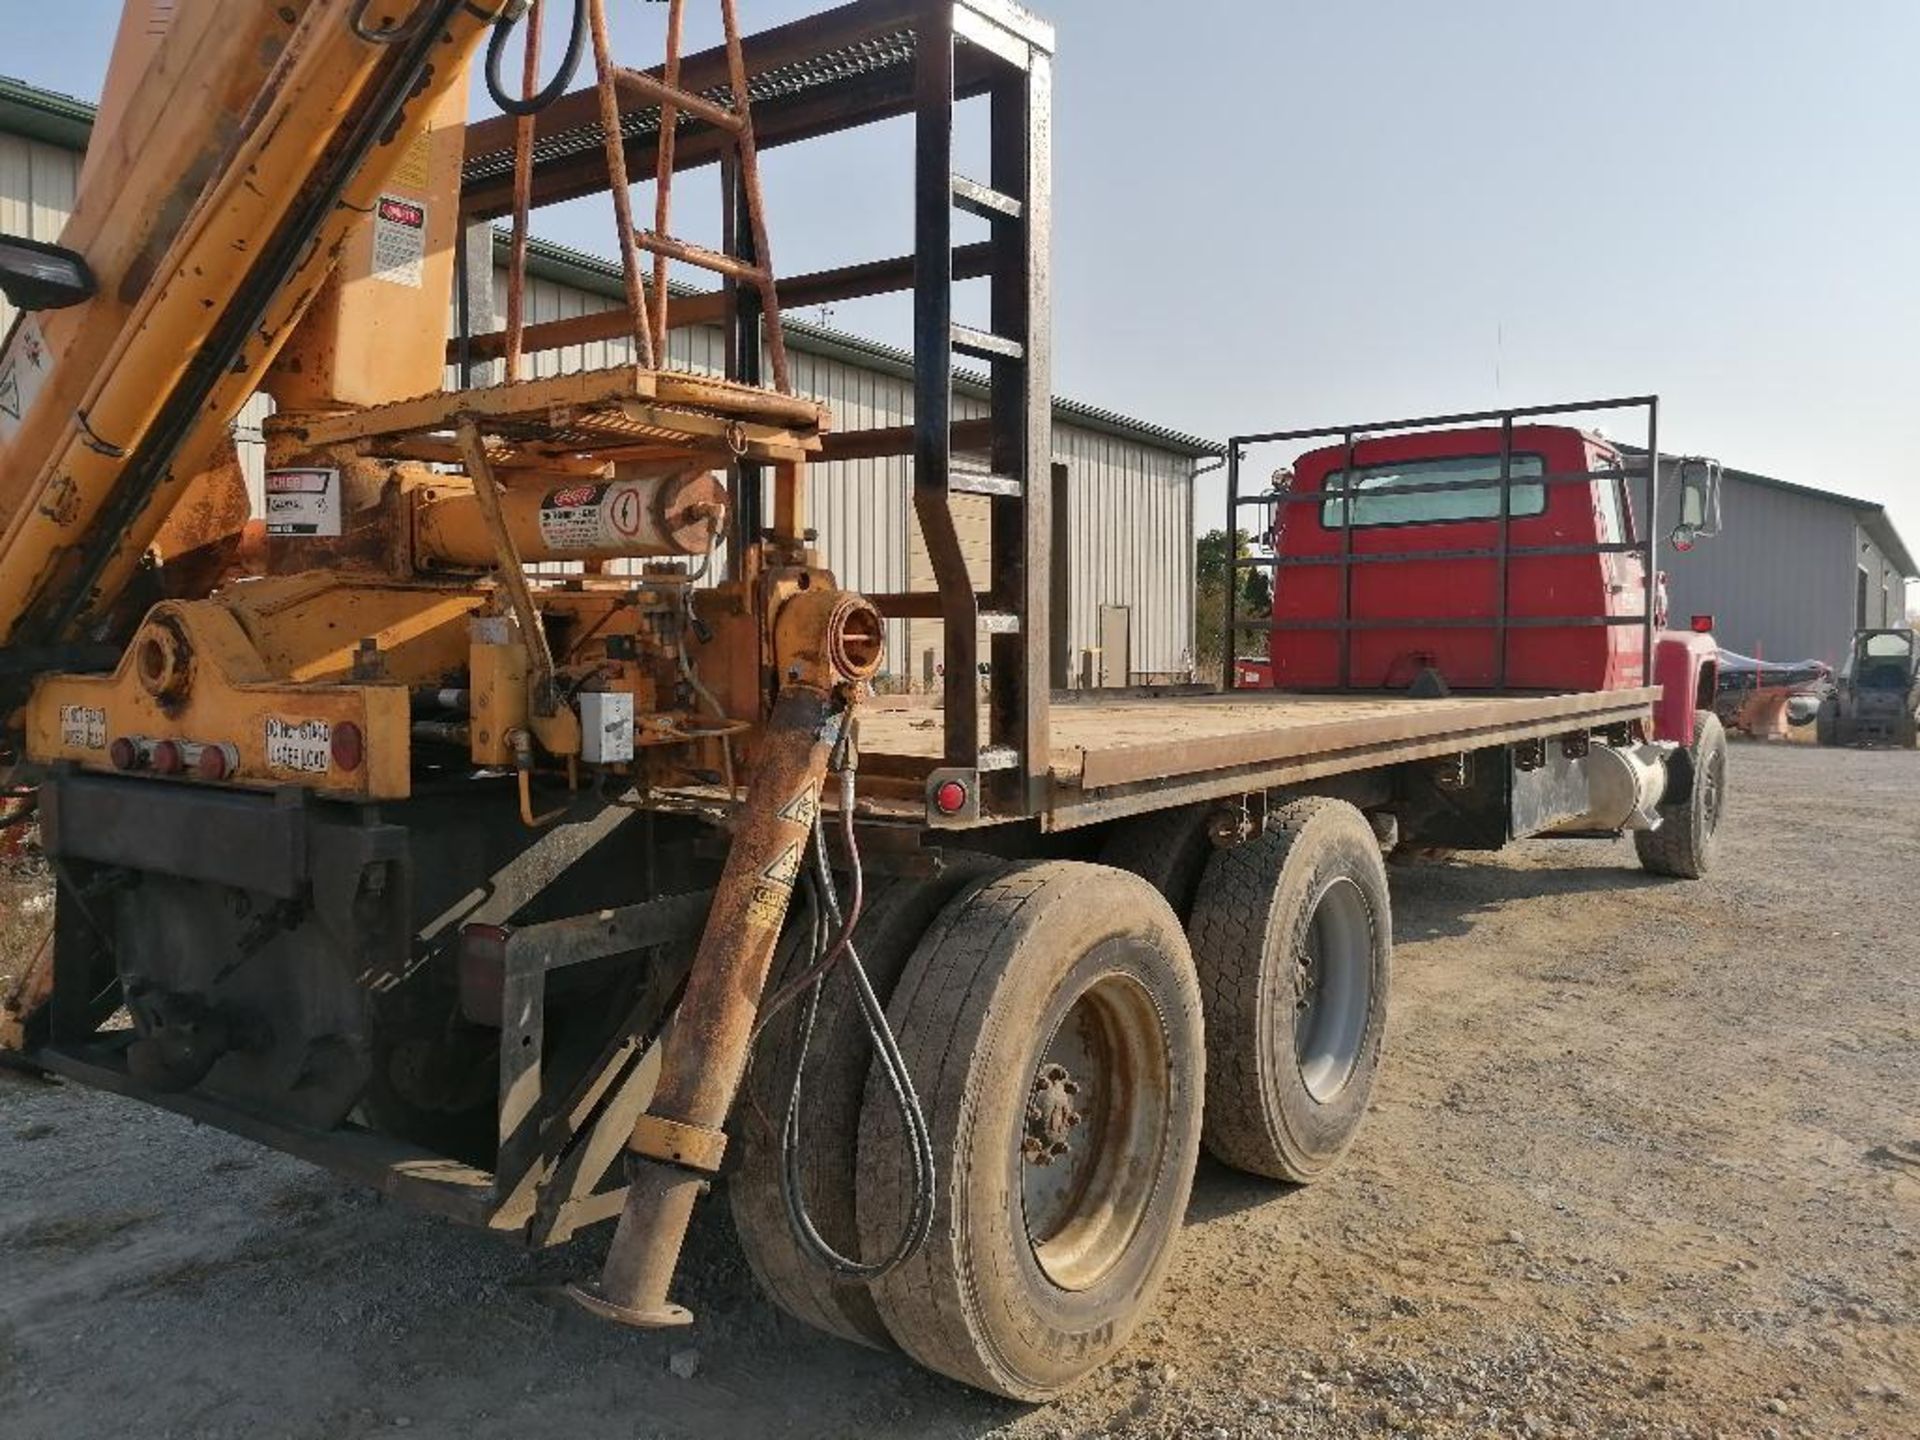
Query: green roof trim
{"points": [[44, 115]]}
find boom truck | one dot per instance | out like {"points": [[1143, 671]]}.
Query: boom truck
{"points": [[537, 900]]}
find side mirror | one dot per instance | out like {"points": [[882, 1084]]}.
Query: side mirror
{"points": [[1699, 480], [38, 276]]}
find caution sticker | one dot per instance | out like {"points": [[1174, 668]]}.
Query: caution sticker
{"points": [[303, 502], [803, 809], [594, 517], [399, 240], [83, 727], [23, 371], [786, 870], [767, 907]]}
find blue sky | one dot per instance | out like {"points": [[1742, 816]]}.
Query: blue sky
{"points": [[1276, 214]]}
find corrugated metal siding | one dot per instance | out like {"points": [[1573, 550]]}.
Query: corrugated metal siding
{"points": [[1130, 540], [37, 191], [36, 194], [1779, 578], [1130, 533]]}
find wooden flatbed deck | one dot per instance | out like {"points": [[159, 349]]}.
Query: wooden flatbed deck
{"points": [[1125, 755]]}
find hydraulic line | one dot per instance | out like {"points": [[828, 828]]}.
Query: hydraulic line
{"points": [[563, 77], [826, 955]]}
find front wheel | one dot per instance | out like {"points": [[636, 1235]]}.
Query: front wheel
{"points": [[1051, 1024], [1683, 843]]}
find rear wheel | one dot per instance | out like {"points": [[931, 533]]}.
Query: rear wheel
{"points": [[892, 921], [1293, 938], [1168, 849], [1051, 1021], [1682, 844], [1826, 723]]}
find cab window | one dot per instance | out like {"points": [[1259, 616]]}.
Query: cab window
{"points": [[1456, 487]]}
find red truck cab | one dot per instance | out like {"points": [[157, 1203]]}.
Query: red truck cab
{"points": [[1390, 559]]}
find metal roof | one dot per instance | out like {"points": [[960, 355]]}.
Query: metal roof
{"points": [[62, 120], [1871, 515], [44, 114]]}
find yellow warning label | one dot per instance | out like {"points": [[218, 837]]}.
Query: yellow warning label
{"points": [[766, 907], [412, 170]]}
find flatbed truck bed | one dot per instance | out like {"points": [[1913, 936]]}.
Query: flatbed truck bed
{"points": [[1133, 753]]}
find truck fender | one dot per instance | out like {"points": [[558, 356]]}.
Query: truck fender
{"points": [[1686, 666]]}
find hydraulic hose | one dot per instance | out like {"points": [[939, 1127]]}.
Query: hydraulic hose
{"points": [[833, 943], [554, 88]]}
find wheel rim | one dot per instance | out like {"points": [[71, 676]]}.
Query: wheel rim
{"points": [[1713, 792], [1333, 989], [1098, 1117]]}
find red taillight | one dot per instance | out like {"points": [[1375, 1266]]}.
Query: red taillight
{"points": [[950, 798], [349, 746], [124, 754], [216, 762], [169, 758], [1702, 624]]}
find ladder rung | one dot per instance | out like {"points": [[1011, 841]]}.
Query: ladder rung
{"points": [[963, 481], [984, 201], [985, 345], [649, 87], [731, 266], [999, 757]]}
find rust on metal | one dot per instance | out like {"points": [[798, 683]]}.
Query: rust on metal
{"points": [[670, 105], [617, 179], [513, 576], [824, 638], [522, 198]]}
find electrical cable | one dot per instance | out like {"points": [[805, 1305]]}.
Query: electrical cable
{"points": [[554, 88], [824, 904]]}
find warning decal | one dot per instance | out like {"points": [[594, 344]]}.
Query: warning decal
{"points": [[83, 727], [803, 809], [23, 370], [594, 517], [303, 502], [767, 907], [399, 240], [785, 870]]}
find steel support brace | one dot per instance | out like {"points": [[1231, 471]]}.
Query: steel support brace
{"points": [[706, 1051]]}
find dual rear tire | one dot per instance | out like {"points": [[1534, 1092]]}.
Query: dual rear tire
{"points": [[1051, 1017]]}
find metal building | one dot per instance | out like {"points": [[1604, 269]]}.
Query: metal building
{"points": [[1793, 570], [1128, 485]]}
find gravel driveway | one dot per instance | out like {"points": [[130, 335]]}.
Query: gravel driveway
{"points": [[1645, 1159]]}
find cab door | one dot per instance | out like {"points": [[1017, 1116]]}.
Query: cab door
{"points": [[1625, 573]]}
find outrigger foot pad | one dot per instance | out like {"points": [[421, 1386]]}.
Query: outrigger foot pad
{"points": [[587, 1295]]}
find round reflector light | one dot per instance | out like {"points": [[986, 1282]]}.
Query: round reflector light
{"points": [[950, 798], [214, 763], [168, 758], [124, 754], [349, 746]]}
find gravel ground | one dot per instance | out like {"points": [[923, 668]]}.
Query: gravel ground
{"points": [[1644, 1160]]}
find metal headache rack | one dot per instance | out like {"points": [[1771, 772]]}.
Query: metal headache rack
{"points": [[1502, 622], [851, 67]]}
